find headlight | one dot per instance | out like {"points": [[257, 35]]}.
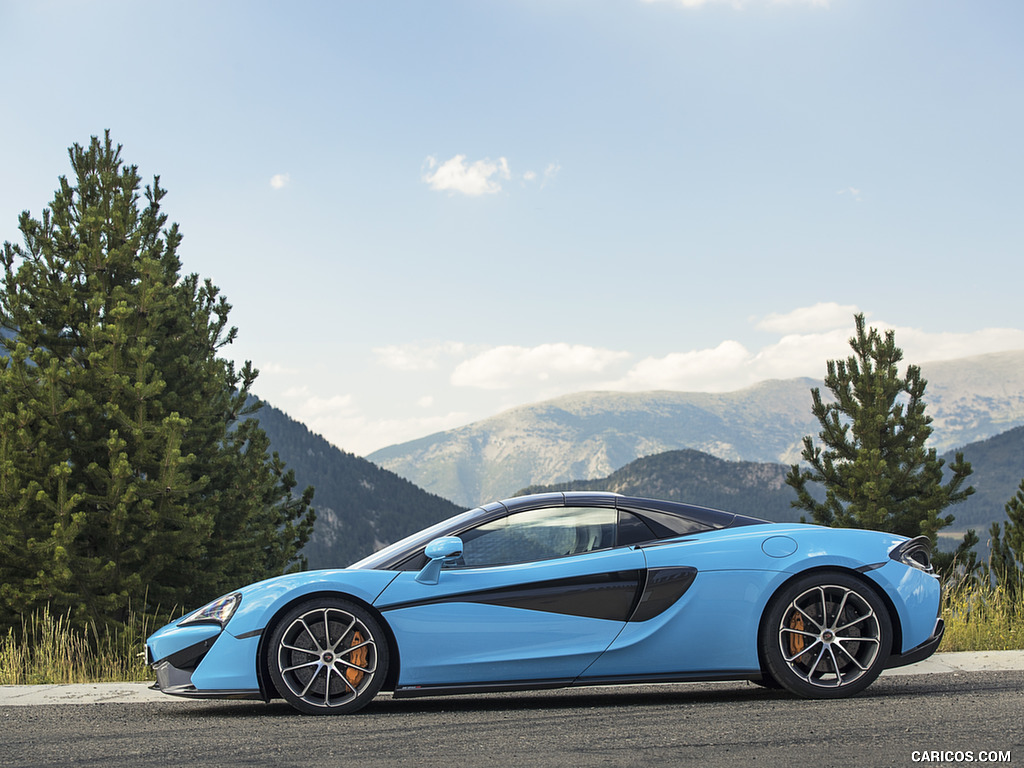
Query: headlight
{"points": [[917, 553], [217, 612]]}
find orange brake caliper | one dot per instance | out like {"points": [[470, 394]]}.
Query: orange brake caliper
{"points": [[796, 642], [358, 657]]}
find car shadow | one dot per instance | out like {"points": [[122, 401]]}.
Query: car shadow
{"points": [[563, 699]]}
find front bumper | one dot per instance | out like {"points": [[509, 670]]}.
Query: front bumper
{"points": [[204, 662], [921, 652], [174, 675]]}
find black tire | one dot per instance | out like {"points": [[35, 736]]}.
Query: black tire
{"points": [[826, 635], [327, 656]]}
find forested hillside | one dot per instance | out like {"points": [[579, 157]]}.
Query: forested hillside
{"points": [[998, 465], [746, 487], [359, 506]]}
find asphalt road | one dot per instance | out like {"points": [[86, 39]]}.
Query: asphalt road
{"points": [[712, 725]]}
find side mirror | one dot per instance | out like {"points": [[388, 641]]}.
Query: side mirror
{"points": [[443, 550]]}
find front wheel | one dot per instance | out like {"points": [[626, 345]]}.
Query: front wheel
{"points": [[328, 656], [826, 635]]}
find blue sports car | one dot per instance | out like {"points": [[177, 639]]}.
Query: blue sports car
{"points": [[568, 589]]}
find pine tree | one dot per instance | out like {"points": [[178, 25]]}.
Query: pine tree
{"points": [[875, 467], [130, 473], [1006, 559]]}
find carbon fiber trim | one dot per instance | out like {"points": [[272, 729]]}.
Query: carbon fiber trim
{"points": [[663, 588], [612, 596]]}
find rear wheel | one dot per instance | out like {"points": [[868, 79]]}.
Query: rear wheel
{"points": [[328, 656], [826, 635]]}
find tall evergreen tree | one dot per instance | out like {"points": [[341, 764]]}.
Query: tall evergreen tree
{"points": [[875, 467], [126, 477]]}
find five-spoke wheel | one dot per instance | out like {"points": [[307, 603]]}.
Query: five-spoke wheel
{"points": [[327, 656], [826, 635]]}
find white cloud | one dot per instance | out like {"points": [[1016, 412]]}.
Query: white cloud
{"points": [[314, 406], [509, 366], [279, 180], [550, 172], [707, 370], [853, 192], [339, 420], [820, 317], [475, 179], [921, 347], [277, 369], [414, 357], [731, 366], [370, 435]]}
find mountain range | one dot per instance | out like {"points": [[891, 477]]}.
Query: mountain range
{"points": [[590, 435]]}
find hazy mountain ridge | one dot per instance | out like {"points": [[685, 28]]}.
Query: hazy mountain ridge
{"points": [[592, 434], [974, 398], [998, 465]]}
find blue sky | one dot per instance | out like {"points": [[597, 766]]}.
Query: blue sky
{"points": [[426, 212]]}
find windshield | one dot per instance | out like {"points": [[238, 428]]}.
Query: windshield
{"points": [[415, 541]]}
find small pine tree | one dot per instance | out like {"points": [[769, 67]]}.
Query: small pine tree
{"points": [[875, 467], [129, 473], [1006, 559]]}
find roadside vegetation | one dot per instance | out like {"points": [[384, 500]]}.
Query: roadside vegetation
{"points": [[49, 648], [984, 616]]}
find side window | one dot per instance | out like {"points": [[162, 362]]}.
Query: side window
{"points": [[640, 526], [666, 525], [633, 530], [539, 534]]}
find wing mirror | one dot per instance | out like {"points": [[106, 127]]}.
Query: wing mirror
{"points": [[446, 549]]}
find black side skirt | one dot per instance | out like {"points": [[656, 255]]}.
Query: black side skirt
{"points": [[413, 691]]}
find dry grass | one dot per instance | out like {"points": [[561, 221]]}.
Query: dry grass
{"points": [[982, 617], [48, 650]]}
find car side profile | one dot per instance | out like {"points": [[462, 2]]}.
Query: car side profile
{"points": [[568, 589]]}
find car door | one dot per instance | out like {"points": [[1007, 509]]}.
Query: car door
{"points": [[537, 596]]}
